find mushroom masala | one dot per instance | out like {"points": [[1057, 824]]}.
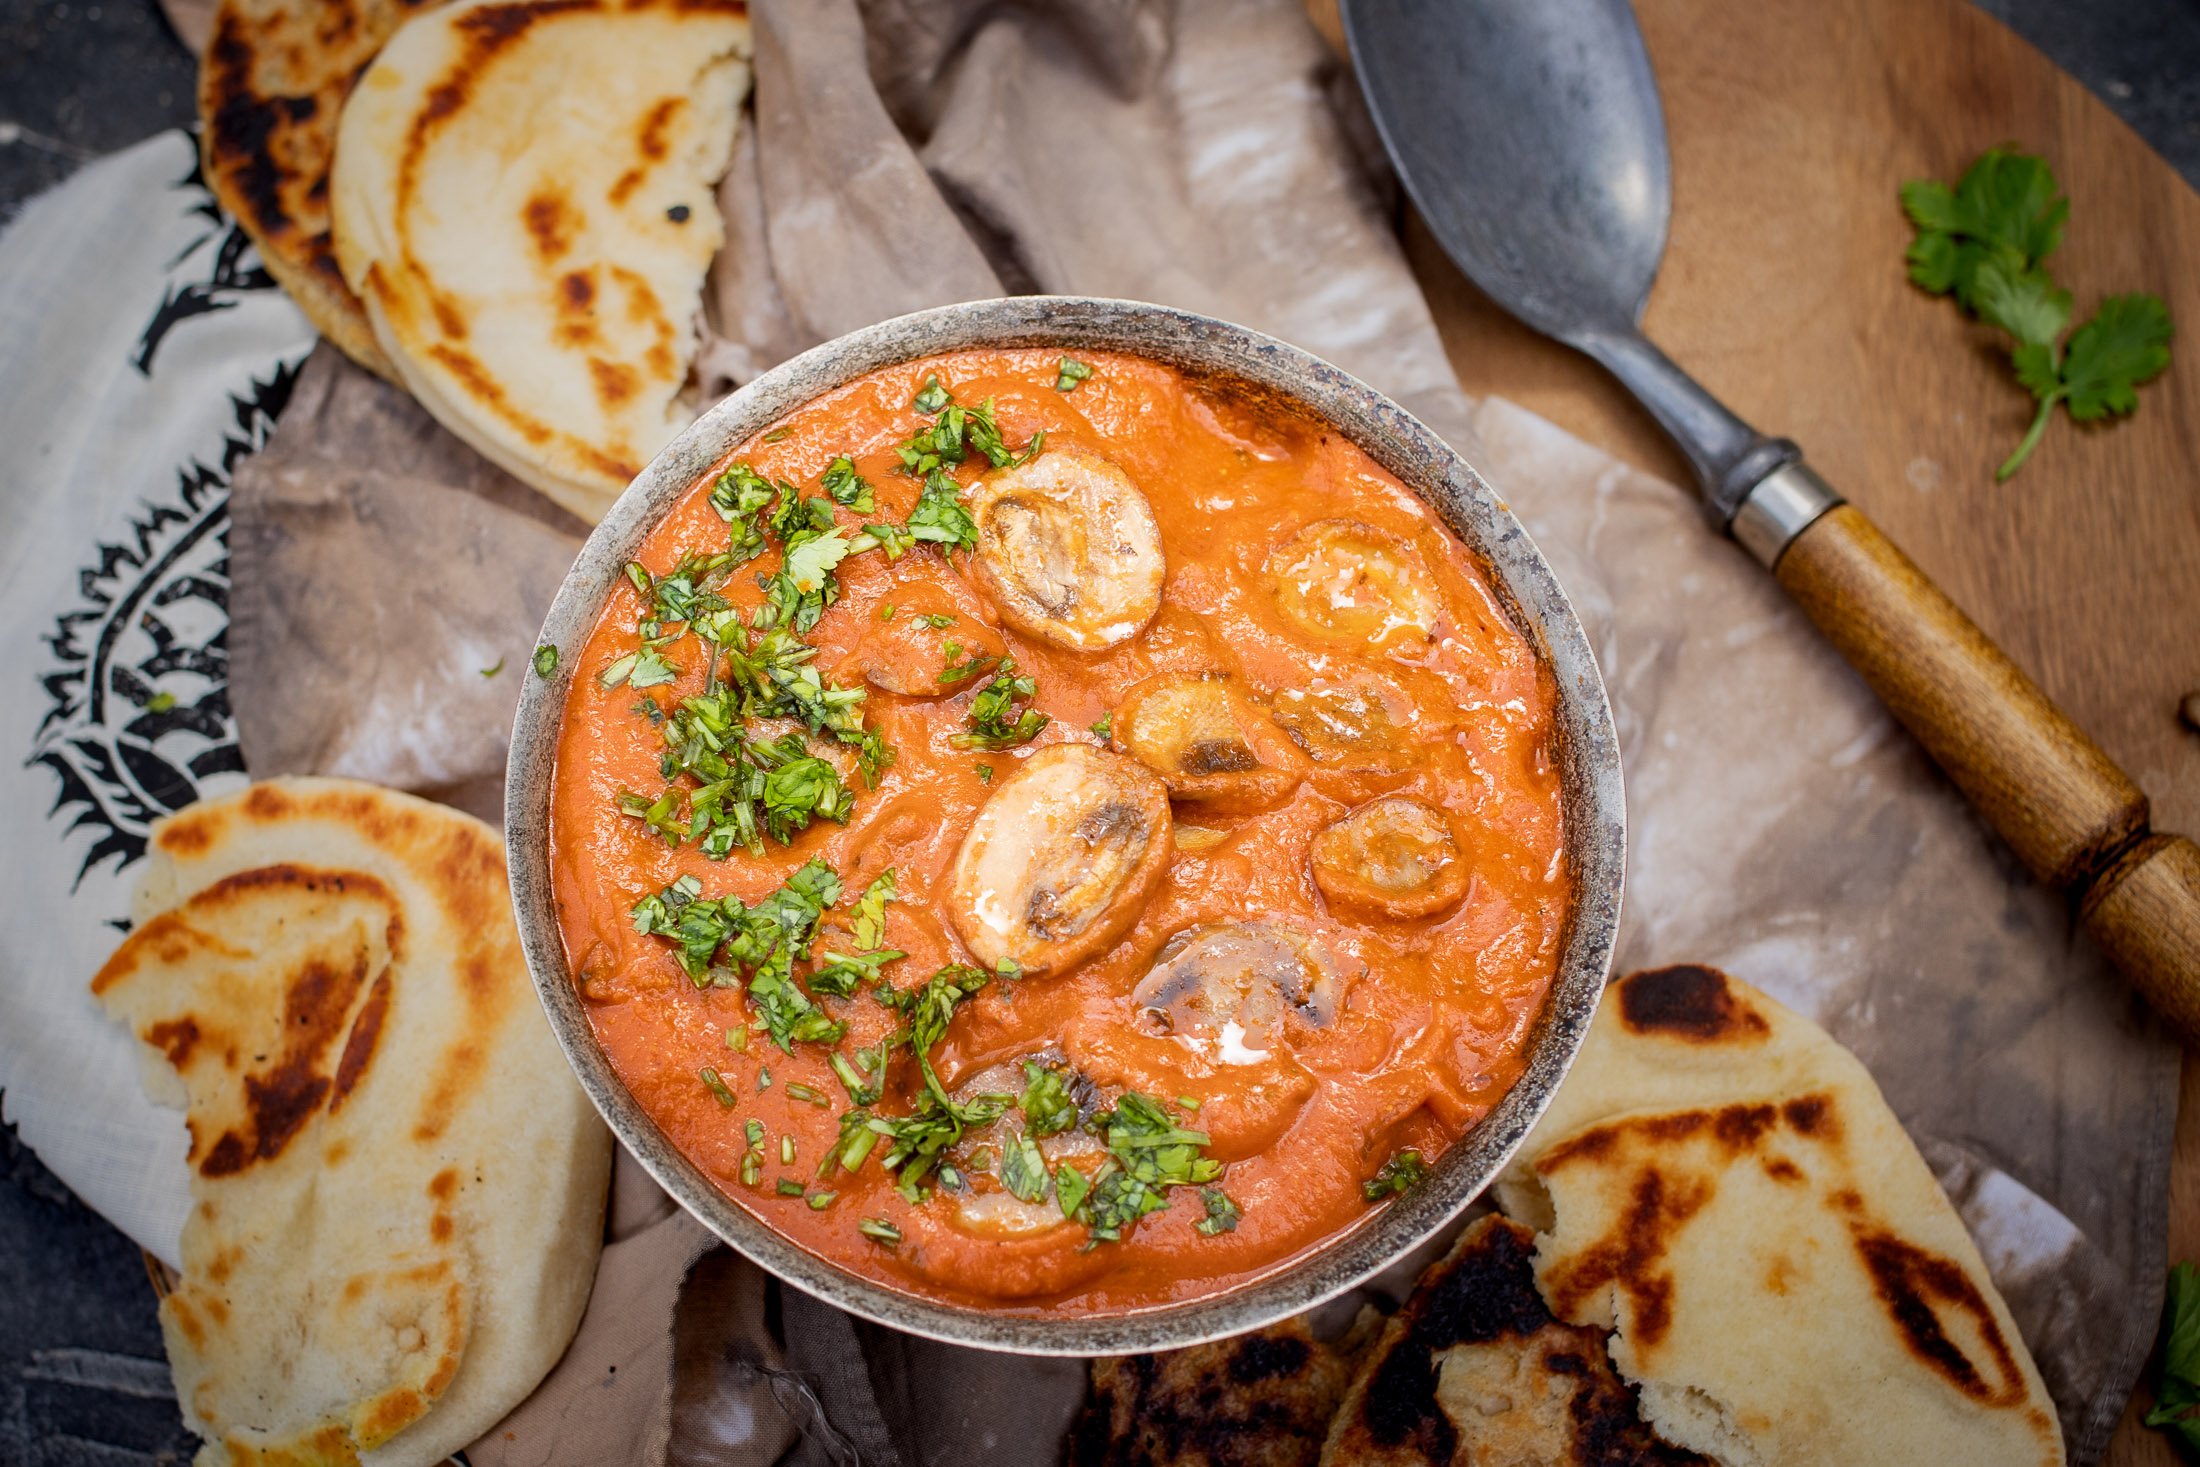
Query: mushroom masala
{"points": [[1057, 835]]}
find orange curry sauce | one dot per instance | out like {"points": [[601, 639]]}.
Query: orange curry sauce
{"points": [[1430, 1014]]}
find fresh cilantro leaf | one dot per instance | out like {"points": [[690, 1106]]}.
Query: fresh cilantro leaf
{"points": [[2006, 207], [931, 397], [879, 1230], [490, 671], [1046, 1102], [1068, 373], [1104, 726], [546, 662], [717, 1088], [2024, 303], [651, 670], [2125, 345], [936, 621], [1402, 1173], [1986, 240], [2099, 372], [765, 940], [1222, 1213]]}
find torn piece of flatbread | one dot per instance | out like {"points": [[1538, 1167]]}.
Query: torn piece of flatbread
{"points": [[1723, 1185], [1254, 1400], [1474, 1372], [271, 86], [523, 199], [398, 1185]]}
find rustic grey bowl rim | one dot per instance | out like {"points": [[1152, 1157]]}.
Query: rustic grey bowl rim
{"points": [[1588, 749]]}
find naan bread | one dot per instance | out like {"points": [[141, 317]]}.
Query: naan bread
{"points": [[398, 1184], [523, 199], [271, 87], [1723, 1185], [1474, 1372], [1255, 1400]]}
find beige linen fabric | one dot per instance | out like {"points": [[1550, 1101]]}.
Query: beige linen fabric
{"points": [[1209, 155]]}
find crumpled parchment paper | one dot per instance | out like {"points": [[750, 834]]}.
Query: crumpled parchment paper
{"points": [[1211, 156]]}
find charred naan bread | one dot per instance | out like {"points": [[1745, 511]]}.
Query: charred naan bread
{"points": [[1474, 1372], [271, 87], [523, 200], [1258, 1400], [398, 1185], [1722, 1184]]}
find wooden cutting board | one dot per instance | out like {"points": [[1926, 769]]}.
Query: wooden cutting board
{"points": [[1792, 123]]}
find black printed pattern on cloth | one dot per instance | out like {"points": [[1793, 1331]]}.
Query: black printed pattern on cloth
{"points": [[137, 681]]}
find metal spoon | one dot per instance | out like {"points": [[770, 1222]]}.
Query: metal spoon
{"points": [[1529, 135]]}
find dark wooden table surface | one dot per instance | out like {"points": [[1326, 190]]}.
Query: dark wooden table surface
{"points": [[82, 1380]]}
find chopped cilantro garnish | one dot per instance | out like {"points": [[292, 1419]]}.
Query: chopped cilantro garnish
{"points": [[490, 671], [886, 612], [763, 1080], [789, 1187], [931, 397], [752, 1168], [778, 435], [1402, 1173], [737, 1038], [786, 1143], [546, 661], [1023, 1169], [1068, 373], [847, 488], [738, 496], [1222, 1213], [807, 1093], [819, 1201], [1046, 1103], [717, 1088], [764, 940], [995, 720], [1104, 726], [879, 1230], [936, 620], [755, 1132], [862, 1089], [985, 774], [1147, 1154], [1071, 1187], [939, 516]]}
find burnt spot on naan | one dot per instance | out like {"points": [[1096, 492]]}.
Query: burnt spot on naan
{"points": [[271, 88], [262, 1083], [1663, 1195], [552, 223], [650, 142], [1259, 1400], [1475, 1367], [1932, 1302], [1688, 1002]]}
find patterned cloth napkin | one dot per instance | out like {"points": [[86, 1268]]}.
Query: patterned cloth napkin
{"points": [[1206, 155]]}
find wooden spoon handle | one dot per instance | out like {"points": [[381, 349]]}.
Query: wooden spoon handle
{"points": [[2070, 814]]}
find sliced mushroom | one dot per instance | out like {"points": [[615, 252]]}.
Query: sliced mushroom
{"points": [[1231, 986], [1355, 719], [1207, 741], [1397, 855], [928, 648], [1068, 550], [1347, 581], [1060, 859]]}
